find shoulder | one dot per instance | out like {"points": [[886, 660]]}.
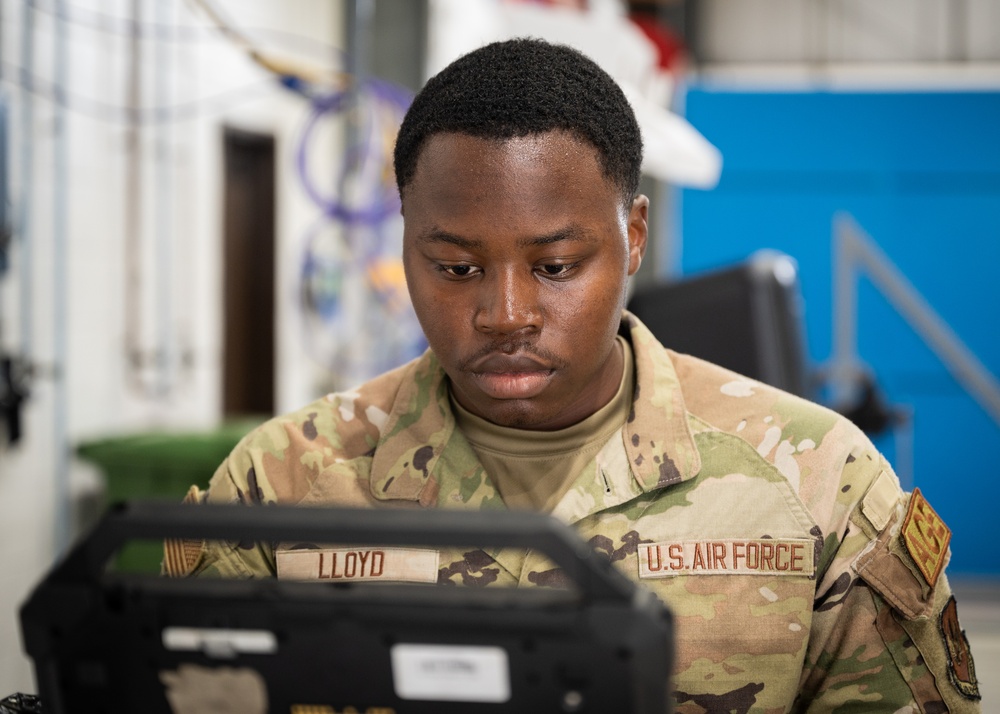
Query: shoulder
{"points": [[778, 425], [332, 437], [829, 462], [812, 447], [731, 402], [348, 423]]}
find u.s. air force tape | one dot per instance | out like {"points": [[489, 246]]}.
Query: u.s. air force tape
{"points": [[727, 556], [401, 565]]}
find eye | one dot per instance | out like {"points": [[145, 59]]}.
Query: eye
{"points": [[557, 270], [458, 271]]}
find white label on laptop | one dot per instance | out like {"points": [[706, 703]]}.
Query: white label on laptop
{"points": [[216, 642], [451, 673]]}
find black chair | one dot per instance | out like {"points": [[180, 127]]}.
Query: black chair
{"points": [[747, 318]]}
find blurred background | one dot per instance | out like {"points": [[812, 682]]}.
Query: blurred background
{"points": [[199, 228]]}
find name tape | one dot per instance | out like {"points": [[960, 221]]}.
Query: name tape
{"points": [[764, 556], [403, 565]]}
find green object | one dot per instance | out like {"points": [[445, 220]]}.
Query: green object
{"points": [[159, 466]]}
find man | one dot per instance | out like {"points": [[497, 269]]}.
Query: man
{"points": [[801, 576]]}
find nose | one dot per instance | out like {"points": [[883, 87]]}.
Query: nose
{"points": [[508, 304]]}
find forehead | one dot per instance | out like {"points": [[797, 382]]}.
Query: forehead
{"points": [[504, 175]]}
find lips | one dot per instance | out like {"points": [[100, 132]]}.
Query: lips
{"points": [[503, 363], [518, 376]]}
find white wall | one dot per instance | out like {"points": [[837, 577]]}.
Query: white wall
{"points": [[848, 31], [212, 83]]}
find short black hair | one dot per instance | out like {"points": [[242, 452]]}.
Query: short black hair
{"points": [[521, 87]]}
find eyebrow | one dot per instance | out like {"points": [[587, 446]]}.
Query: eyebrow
{"points": [[572, 233], [435, 235]]}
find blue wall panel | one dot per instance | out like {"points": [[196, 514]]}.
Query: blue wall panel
{"points": [[920, 173]]}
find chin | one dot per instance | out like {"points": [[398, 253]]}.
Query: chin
{"points": [[515, 416]]}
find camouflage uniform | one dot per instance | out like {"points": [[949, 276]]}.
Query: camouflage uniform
{"points": [[801, 576]]}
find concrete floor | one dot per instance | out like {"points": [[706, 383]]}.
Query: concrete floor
{"points": [[979, 613]]}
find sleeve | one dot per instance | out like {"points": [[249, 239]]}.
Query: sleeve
{"points": [[320, 454], [227, 559], [886, 636]]}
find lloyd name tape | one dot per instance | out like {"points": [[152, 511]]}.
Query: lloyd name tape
{"points": [[401, 565]]}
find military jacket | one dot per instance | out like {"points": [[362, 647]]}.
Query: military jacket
{"points": [[801, 576]]}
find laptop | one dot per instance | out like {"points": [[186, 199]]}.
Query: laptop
{"points": [[106, 641]]}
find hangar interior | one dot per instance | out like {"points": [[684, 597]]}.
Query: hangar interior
{"points": [[200, 229]]}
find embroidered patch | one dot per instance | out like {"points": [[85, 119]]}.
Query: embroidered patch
{"points": [[926, 537], [762, 556], [961, 668], [180, 557], [403, 565]]}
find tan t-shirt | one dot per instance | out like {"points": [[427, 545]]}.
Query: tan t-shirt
{"points": [[534, 469]]}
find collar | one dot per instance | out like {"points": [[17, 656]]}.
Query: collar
{"points": [[658, 440], [421, 425]]}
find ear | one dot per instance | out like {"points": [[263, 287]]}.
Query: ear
{"points": [[637, 232]]}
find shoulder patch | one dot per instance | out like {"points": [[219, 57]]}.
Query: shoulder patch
{"points": [[961, 669], [926, 537], [181, 556]]}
